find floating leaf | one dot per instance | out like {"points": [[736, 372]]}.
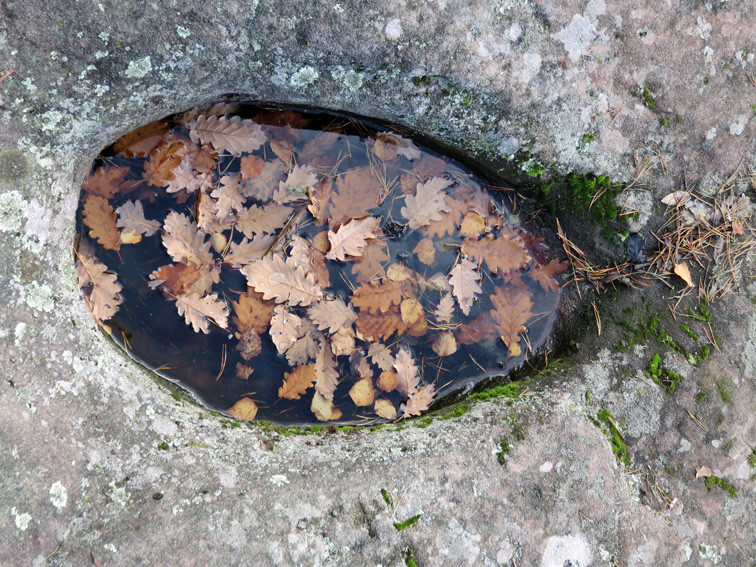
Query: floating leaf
{"points": [[362, 393], [100, 217], [464, 281], [407, 373], [297, 382], [102, 288], [183, 242], [233, 135], [244, 409], [197, 311], [351, 238], [280, 280], [511, 311], [427, 204], [419, 401], [332, 315], [131, 218]]}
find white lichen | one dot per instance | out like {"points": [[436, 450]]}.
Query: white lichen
{"points": [[58, 495], [279, 480], [183, 32], [12, 209], [19, 332], [38, 297], [351, 78], [304, 76], [138, 68], [393, 29], [21, 520]]}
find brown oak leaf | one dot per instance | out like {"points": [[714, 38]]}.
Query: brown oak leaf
{"points": [[370, 265], [197, 311], [407, 372], [186, 179], [445, 309], [377, 296], [234, 135], [511, 312], [426, 252], [299, 181], [332, 315], [380, 354], [176, 279], [251, 166], [449, 221], [100, 217], [261, 187], [183, 241], [380, 325], [478, 330], [419, 401], [385, 409], [501, 255], [105, 181], [305, 348], [227, 195], [252, 312], [247, 251], [101, 289], [297, 382], [280, 280], [254, 220], [131, 218], [161, 162], [427, 204], [359, 190], [285, 328], [464, 281], [326, 371], [545, 274], [351, 238]]}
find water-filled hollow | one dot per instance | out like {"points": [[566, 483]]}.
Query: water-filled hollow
{"points": [[304, 266]]}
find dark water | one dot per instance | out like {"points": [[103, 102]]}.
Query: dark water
{"points": [[348, 169]]}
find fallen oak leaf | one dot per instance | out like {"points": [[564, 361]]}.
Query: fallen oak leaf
{"points": [[326, 372], [100, 217], [464, 281], [511, 311], [407, 373], [323, 408], [105, 181], [378, 296], [101, 288], [233, 135], [351, 238], [252, 312], [427, 203], [131, 218], [280, 280], [332, 315], [197, 311], [297, 382], [418, 401], [183, 241], [545, 274]]}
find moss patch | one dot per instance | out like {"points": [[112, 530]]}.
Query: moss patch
{"points": [[619, 448], [714, 480]]}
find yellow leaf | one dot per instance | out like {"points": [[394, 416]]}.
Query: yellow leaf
{"points": [[472, 225], [388, 381], [244, 409], [324, 409], [362, 393], [426, 252], [130, 237], [445, 344], [412, 311], [385, 409]]}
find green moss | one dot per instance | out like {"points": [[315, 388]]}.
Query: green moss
{"points": [[646, 95], [457, 412], [699, 356], [700, 397], [663, 121], [409, 522], [752, 458], [714, 480], [671, 471], [726, 396], [386, 497], [501, 454], [163, 446], [688, 331], [706, 80], [588, 397], [619, 448], [679, 119], [663, 376], [511, 390], [409, 557], [727, 446]]}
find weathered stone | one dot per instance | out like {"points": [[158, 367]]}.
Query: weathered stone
{"points": [[101, 462]]}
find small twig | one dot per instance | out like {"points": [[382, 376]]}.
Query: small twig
{"points": [[701, 425], [6, 75]]}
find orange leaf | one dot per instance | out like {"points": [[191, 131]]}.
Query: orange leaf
{"points": [[501, 254], [384, 409], [362, 393], [419, 401], [140, 141], [544, 274], [101, 287], [412, 311], [252, 312], [297, 382], [479, 329], [370, 265], [105, 181], [381, 324], [100, 217], [359, 190], [426, 252], [351, 238], [163, 159], [427, 204], [377, 296], [511, 311], [683, 271], [175, 279], [388, 381], [324, 409], [472, 225], [244, 409]]}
